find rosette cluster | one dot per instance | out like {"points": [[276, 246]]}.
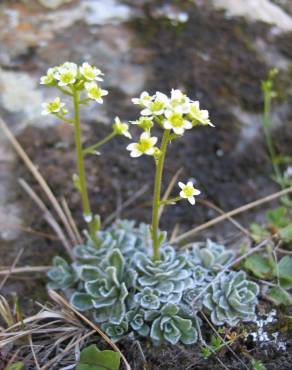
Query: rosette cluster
{"points": [[126, 292]]}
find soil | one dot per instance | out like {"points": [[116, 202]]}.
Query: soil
{"points": [[216, 60]]}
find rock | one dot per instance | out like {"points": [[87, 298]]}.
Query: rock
{"points": [[53, 4], [20, 95], [259, 10]]}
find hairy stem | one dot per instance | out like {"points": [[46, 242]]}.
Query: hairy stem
{"points": [[156, 196], [81, 170]]}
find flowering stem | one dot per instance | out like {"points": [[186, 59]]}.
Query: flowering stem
{"points": [[169, 201], [156, 197], [266, 126], [70, 121], [81, 170], [91, 149]]}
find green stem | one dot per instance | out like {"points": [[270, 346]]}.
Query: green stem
{"points": [[64, 91], [81, 170], [94, 147], [269, 141], [156, 196], [169, 201], [70, 121]]}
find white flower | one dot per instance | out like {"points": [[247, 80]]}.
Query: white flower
{"points": [[95, 92], [146, 145], [179, 102], [91, 72], [66, 74], [188, 191], [156, 106], [121, 128], [52, 107], [144, 122], [49, 78], [143, 99], [198, 115], [176, 122]]}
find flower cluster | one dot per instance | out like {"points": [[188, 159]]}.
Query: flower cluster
{"points": [[70, 77], [176, 113]]}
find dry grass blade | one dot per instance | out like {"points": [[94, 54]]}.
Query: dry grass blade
{"points": [[55, 332], [6, 311], [174, 233], [232, 213], [60, 300], [33, 352], [26, 269], [35, 172], [229, 218], [12, 359], [67, 349], [71, 220], [48, 217], [29, 230], [168, 190], [11, 268]]}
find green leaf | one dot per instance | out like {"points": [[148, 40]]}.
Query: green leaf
{"points": [[286, 233], [279, 296], [91, 358], [260, 266], [285, 271], [76, 182], [216, 342], [257, 365], [277, 218], [81, 301], [16, 366], [206, 352], [258, 232], [117, 260]]}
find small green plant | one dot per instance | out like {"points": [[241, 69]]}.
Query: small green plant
{"points": [[16, 366], [278, 223], [129, 279], [91, 358], [257, 365], [264, 266], [217, 343], [280, 175]]}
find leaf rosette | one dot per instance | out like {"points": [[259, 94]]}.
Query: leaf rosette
{"points": [[232, 298], [168, 275], [170, 327]]}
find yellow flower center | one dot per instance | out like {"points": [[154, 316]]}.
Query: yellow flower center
{"points": [[188, 191], [176, 120], [144, 145]]}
